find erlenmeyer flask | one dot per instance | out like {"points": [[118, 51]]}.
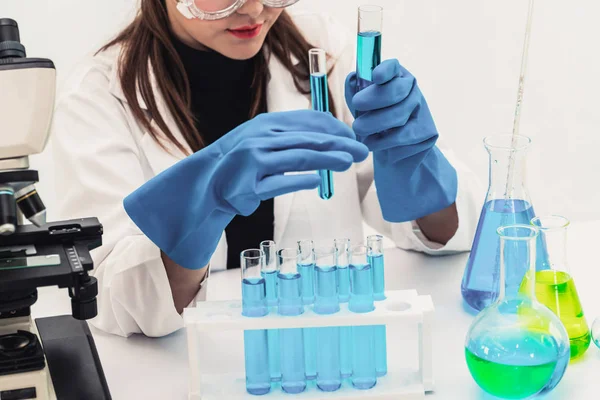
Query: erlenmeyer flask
{"points": [[481, 283], [554, 284], [517, 348]]}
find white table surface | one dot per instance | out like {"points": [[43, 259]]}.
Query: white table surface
{"points": [[144, 368]]}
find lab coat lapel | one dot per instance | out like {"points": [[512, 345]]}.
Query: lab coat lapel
{"points": [[282, 95]]}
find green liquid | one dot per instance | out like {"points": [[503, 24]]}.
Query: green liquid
{"points": [[556, 290], [509, 381]]}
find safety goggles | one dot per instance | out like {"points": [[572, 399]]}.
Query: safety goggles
{"points": [[218, 9]]}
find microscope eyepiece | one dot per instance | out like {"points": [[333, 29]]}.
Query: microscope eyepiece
{"points": [[10, 41]]}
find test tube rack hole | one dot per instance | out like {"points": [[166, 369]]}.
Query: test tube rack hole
{"points": [[215, 347]]}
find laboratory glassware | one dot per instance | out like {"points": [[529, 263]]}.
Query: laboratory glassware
{"points": [[269, 273], [306, 267], [342, 246], [217, 9], [554, 283], [320, 102], [368, 53], [481, 280], [254, 305], [517, 348], [364, 373], [375, 248], [329, 378], [291, 350], [596, 332]]}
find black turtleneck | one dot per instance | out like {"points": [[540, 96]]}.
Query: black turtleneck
{"points": [[221, 100]]}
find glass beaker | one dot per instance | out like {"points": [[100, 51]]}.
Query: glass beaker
{"points": [[503, 206], [517, 348], [554, 284]]}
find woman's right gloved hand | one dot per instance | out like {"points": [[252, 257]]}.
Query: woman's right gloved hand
{"points": [[185, 209]]}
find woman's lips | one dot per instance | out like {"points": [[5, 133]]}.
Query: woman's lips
{"points": [[246, 32]]}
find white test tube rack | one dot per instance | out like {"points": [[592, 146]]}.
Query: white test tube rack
{"points": [[216, 355]]}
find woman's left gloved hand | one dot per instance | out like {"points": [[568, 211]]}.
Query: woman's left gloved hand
{"points": [[412, 176]]}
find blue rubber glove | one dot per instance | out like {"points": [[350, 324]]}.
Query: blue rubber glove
{"points": [[185, 209], [412, 176]]}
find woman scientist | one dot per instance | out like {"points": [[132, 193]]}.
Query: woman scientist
{"points": [[190, 137]]}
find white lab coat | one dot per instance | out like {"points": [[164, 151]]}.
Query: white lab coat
{"points": [[102, 154]]}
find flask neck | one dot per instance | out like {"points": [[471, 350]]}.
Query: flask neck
{"points": [[507, 165], [552, 243], [517, 258]]}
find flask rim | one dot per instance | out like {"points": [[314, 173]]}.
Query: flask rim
{"points": [[551, 222], [518, 232], [505, 142]]}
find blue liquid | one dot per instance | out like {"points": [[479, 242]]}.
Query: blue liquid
{"points": [[320, 102], [361, 289], [376, 262], [344, 283], [308, 282], [364, 375], [481, 281], [327, 299], [270, 278], [368, 57], [256, 353], [291, 347], [310, 334], [329, 376], [346, 351]]}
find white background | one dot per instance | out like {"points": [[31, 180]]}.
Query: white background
{"points": [[466, 55]]}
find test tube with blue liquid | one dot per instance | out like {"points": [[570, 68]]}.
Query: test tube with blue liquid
{"points": [[291, 341], [320, 102], [375, 248], [342, 247], [269, 273], [370, 22], [306, 266], [254, 305], [329, 377], [364, 373]]}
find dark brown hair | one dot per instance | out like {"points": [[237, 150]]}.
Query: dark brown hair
{"points": [[147, 46]]}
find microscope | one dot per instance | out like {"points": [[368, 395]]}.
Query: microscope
{"points": [[47, 358]]}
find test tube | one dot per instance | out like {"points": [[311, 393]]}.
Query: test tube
{"points": [[375, 248], [254, 305], [306, 250], [329, 378], [306, 266], [293, 377], [320, 102], [342, 246], [364, 374], [269, 273], [370, 22]]}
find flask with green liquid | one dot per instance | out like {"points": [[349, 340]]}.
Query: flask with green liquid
{"points": [[554, 284]]}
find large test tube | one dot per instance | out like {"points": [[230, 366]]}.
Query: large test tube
{"points": [[306, 266], [254, 305], [329, 378], [320, 102], [370, 22], [364, 375], [269, 273], [289, 285], [375, 246]]}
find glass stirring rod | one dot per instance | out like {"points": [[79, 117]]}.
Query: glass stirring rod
{"points": [[320, 102]]}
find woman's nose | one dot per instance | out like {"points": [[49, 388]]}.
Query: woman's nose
{"points": [[252, 8]]}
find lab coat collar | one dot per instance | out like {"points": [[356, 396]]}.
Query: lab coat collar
{"points": [[282, 95]]}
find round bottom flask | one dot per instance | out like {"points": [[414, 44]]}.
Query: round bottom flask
{"points": [[516, 348]]}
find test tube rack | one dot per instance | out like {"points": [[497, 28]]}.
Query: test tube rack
{"points": [[216, 352]]}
